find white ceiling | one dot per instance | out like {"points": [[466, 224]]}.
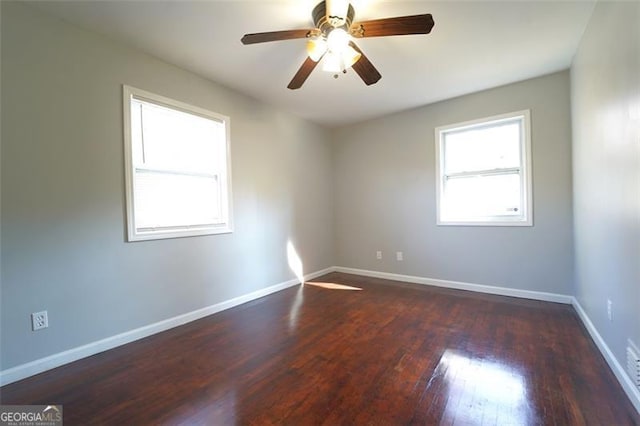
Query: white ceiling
{"points": [[474, 45]]}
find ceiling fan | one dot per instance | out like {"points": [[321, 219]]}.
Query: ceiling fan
{"points": [[332, 39]]}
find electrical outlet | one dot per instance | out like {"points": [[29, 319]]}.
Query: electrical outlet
{"points": [[378, 255], [609, 309], [399, 256], [39, 320]]}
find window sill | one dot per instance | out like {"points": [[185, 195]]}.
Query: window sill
{"points": [[168, 234], [486, 223]]}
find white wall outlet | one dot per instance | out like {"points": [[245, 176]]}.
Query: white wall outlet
{"points": [[378, 255], [399, 256], [610, 309], [39, 320]]}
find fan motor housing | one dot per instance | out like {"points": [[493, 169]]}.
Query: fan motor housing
{"points": [[321, 22]]}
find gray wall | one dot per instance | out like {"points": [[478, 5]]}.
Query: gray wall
{"points": [[63, 217], [385, 196], [605, 95]]}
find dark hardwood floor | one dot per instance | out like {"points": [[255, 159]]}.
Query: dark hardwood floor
{"points": [[387, 355]]}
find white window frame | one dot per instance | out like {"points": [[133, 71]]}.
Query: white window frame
{"points": [[526, 219], [135, 234]]}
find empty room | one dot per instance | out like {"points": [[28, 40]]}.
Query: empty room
{"points": [[305, 212]]}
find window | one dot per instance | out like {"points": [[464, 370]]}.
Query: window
{"points": [[177, 168], [484, 172]]}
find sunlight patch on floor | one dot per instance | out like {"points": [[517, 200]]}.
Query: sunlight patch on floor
{"points": [[477, 385], [333, 286]]}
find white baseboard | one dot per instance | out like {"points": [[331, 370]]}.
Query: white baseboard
{"points": [[627, 385], [32, 368], [480, 288]]}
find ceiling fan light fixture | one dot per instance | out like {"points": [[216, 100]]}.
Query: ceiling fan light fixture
{"points": [[339, 62], [338, 40], [340, 55], [350, 57], [316, 48], [332, 63]]}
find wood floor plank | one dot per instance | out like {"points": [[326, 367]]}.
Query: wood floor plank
{"points": [[390, 354]]}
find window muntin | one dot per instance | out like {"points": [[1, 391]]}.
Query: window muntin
{"points": [[178, 168], [483, 172]]}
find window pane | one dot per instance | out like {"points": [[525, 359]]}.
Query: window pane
{"points": [[175, 140], [484, 148], [482, 196], [166, 199]]}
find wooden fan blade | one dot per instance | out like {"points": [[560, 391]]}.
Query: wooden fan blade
{"points": [[402, 25], [274, 36], [301, 76], [364, 68]]}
